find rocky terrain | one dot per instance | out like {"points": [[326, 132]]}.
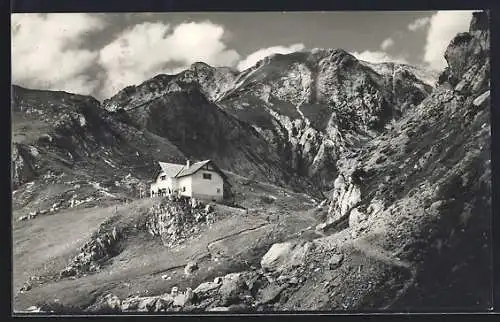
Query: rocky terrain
{"points": [[300, 112], [357, 186]]}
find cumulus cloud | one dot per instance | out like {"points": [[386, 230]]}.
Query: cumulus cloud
{"points": [[46, 51], [387, 43], [254, 57], [378, 57], [419, 24], [443, 27], [144, 50]]}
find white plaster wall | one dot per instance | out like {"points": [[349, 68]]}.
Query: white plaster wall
{"points": [[204, 188], [185, 182], [196, 186], [163, 184]]}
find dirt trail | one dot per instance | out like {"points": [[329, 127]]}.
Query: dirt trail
{"points": [[235, 234]]}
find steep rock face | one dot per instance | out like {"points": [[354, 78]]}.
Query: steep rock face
{"points": [[67, 149], [173, 220], [308, 108], [426, 188], [203, 131], [213, 82], [313, 107]]}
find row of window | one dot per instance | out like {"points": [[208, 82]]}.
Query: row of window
{"points": [[207, 176]]}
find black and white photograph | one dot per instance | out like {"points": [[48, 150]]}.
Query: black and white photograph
{"points": [[251, 162]]}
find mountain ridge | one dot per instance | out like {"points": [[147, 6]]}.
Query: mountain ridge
{"points": [[404, 171], [299, 99]]}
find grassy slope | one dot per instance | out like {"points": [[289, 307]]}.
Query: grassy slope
{"points": [[45, 245]]}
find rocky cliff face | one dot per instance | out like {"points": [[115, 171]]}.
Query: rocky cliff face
{"points": [[423, 189], [299, 112], [409, 211], [67, 151], [415, 208], [315, 107], [203, 131]]}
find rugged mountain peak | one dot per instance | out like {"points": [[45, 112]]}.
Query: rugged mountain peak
{"points": [[310, 106], [200, 66], [213, 81], [412, 187], [480, 21], [468, 52], [46, 97]]}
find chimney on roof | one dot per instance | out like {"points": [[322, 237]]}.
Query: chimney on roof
{"points": [[188, 163]]}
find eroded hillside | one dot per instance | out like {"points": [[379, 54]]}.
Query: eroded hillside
{"points": [[405, 167]]}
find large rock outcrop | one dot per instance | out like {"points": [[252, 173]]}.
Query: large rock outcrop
{"points": [[298, 113], [426, 191]]}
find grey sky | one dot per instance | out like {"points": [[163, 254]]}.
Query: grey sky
{"points": [[99, 54]]}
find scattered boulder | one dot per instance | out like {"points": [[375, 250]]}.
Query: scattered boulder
{"points": [[324, 226], [179, 300], [335, 261], [163, 303], [276, 255], [481, 99], [33, 214], [68, 271], [26, 287], [106, 303], [190, 267], [207, 287], [356, 218], [322, 204], [232, 286], [182, 299], [147, 304], [210, 218], [34, 278], [113, 301], [271, 293], [284, 256], [189, 294], [253, 280]]}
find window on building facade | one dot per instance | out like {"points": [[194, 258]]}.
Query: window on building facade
{"points": [[183, 189], [207, 176], [163, 177], [218, 190]]}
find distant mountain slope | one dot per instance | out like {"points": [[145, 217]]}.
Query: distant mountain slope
{"points": [[310, 107], [70, 144], [422, 191], [406, 225], [287, 120]]}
